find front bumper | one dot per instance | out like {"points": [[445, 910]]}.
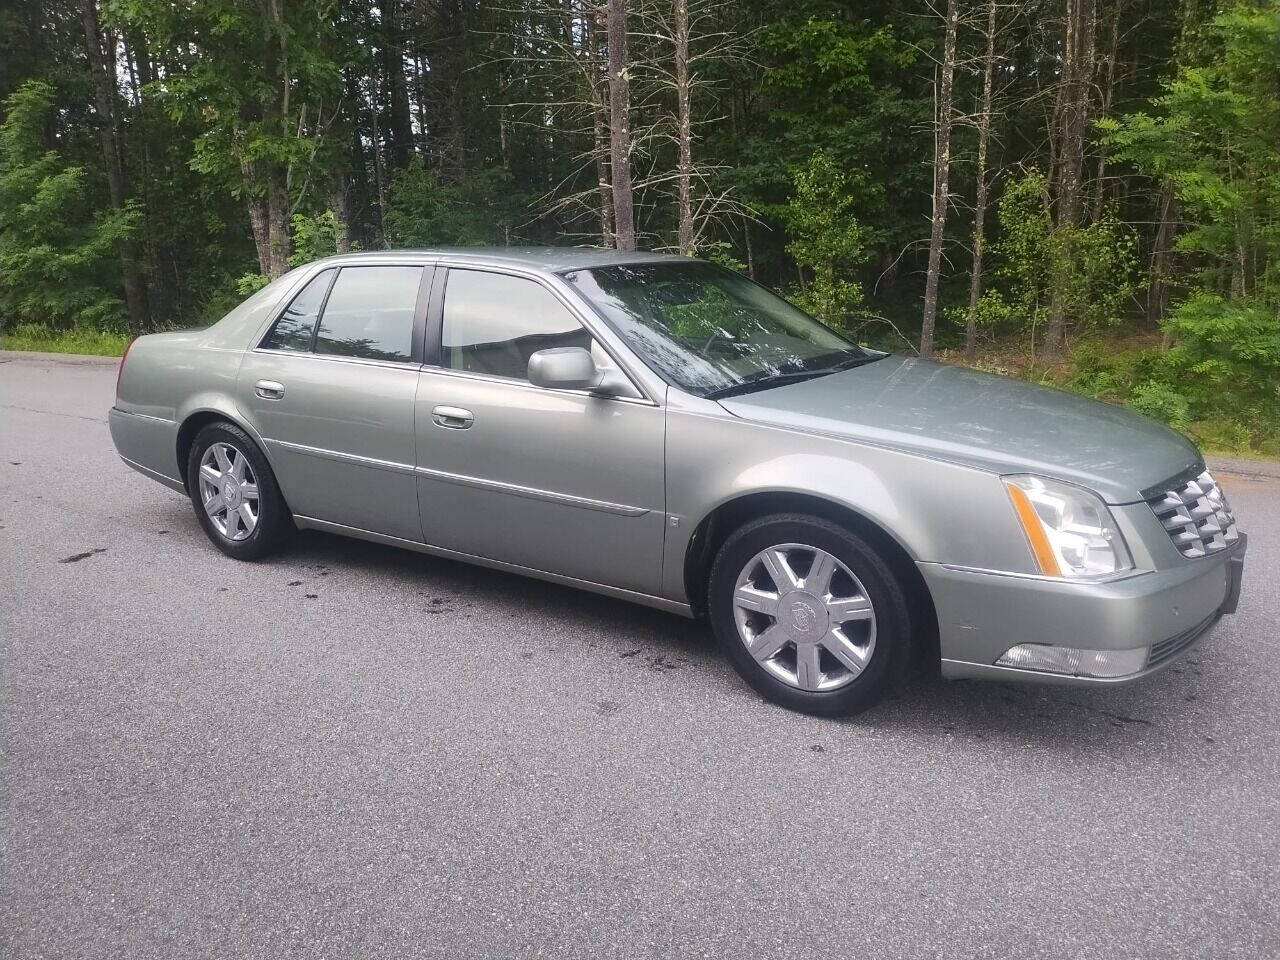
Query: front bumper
{"points": [[982, 614]]}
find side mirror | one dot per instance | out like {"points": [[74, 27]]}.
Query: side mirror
{"points": [[571, 368]]}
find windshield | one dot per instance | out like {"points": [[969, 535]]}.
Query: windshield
{"points": [[709, 331]]}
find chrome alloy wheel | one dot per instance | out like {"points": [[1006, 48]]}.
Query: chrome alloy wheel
{"points": [[229, 491], [804, 617]]}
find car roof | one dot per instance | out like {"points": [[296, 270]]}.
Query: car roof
{"points": [[539, 258]]}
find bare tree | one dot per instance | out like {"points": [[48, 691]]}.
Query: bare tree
{"points": [[1108, 83], [941, 172], [566, 42], [620, 126], [684, 127], [698, 33], [980, 191], [599, 123]]}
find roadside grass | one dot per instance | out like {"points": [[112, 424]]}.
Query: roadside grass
{"points": [[40, 339]]}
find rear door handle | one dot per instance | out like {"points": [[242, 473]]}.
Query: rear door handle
{"points": [[455, 418], [270, 390]]}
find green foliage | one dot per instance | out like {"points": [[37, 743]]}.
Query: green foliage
{"points": [[1099, 369], [1225, 361], [57, 250], [250, 283], [428, 129], [423, 210], [1163, 402], [844, 87], [313, 237], [222, 49], [1092, 269], [1214, 140], [827, 239]]}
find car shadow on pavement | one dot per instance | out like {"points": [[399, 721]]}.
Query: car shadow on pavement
{"points": [[1155, 710], [1074, 718], [484, 585]]}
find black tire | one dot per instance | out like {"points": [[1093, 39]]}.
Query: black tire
{"points": [[274, 523], [891, 653]]}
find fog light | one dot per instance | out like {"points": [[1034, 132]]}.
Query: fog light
{"points": [[1073, 661]]}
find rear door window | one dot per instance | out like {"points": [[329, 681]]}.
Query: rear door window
{"points": [[370, 313], [296, 326]]}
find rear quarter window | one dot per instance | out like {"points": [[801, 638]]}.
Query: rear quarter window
{"points": [[296, 326]]}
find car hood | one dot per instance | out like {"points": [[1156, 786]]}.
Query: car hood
{"points": [[980, 420]]}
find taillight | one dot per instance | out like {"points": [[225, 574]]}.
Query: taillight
{"points": [[120, 371]]}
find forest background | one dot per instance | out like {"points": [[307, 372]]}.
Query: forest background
{"points": [[1084, 193]]}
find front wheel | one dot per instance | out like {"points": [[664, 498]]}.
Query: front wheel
{"points": [[809, 615], [235, 494]]}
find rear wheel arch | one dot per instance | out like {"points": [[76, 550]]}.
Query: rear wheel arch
{"points": [[196, 421], [712, 531]]}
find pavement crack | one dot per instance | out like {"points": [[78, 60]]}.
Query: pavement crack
{"points": [[72, 416]]}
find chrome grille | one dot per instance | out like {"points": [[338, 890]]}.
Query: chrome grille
{"points": [[1197, 517]]}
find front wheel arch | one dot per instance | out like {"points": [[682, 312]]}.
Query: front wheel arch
{"points": [[712, 531]]}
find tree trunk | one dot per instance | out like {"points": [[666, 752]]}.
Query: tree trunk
{"points": [[163, 291], [340, 206], [684, 131], [592, 28], [256, 204], [359, 198], [1161, 247], [103, 70], [379, 198], [399, 128], [620, 126], [1104, 109], [274, 189], [449, 67], [941, 172], [1075, 115], [980, 196]]}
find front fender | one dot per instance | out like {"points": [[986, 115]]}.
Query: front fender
{"points": [[937, 511]]}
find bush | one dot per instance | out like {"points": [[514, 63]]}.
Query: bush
{"points": [[1224, 367], [1163, 402]]}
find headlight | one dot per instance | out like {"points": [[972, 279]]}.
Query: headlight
{"points": [[1072, 533]]}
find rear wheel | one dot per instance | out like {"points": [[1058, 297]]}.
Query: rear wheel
{"points": [[234, 493], [809, 615]]}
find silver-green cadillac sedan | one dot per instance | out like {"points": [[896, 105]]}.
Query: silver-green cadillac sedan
{"points": [[663, 430]]}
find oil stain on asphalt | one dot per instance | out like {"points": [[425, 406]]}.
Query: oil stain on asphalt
{"points": [[77, 557]]}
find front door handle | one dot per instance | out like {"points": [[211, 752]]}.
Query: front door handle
{"points": [[455, 418], [270, 390]]}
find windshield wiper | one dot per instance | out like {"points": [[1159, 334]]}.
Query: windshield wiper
{"points": [[781, 379], [859, 361], [765, 383]]}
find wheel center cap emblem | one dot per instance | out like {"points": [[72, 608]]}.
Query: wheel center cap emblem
{"points": [[229, 492], [804, 618]]}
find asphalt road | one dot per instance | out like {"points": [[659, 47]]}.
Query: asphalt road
{"points": [[352, 751]]}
